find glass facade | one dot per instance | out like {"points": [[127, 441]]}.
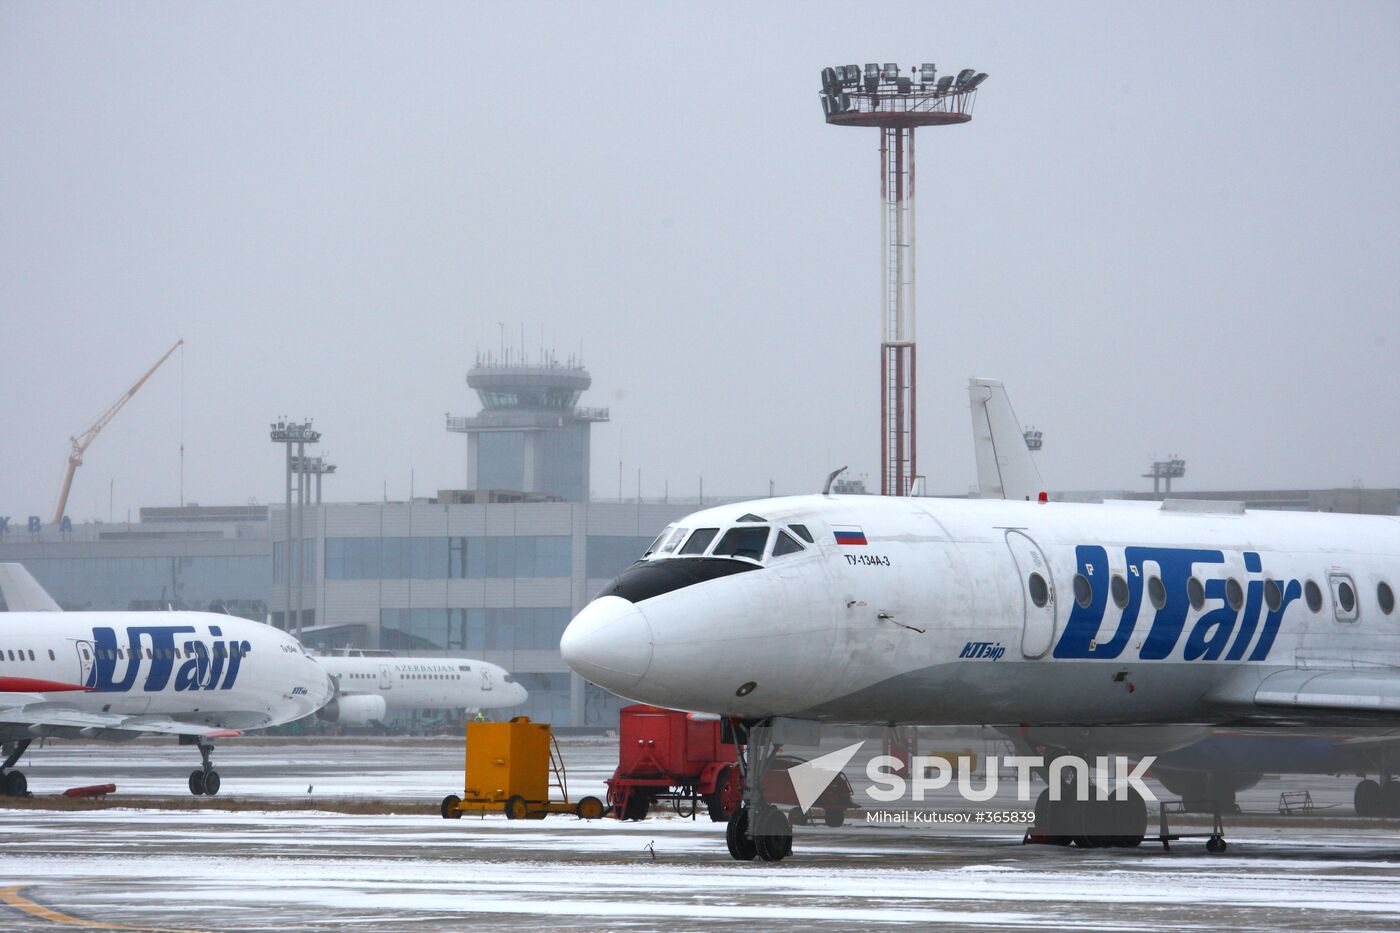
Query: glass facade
{"points": [[609, 555], [460, 558], [549, 698], [471, 629], [306, 549], [239, 584]]}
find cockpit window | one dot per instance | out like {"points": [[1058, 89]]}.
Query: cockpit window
{"points": [[674, 541], [743, 542], [786, 544], [699, 541], [651, 548], [803, 533]]}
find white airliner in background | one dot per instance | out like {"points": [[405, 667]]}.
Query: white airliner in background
{"points": [[369, 685], [118, 675], [871, 609]]}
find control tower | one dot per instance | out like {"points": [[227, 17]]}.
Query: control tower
{"points": [[896, 104], [530, 436]]}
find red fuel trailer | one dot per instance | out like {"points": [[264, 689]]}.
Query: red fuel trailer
{"points": [[665, 755]]}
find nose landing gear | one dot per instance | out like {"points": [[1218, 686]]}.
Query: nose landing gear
{"points": [[204, 781], [13, 783], [757, 829]]}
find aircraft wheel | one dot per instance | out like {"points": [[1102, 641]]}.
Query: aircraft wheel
{"points": [[211, 782], [1215, 845], [1051, 821], [197, 782], [16, 784], [1368, 798], [450, 803], [1390, 798], [736, 836], [773, 841]]}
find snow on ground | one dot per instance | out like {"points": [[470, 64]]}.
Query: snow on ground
{"points": [[256, 870]]}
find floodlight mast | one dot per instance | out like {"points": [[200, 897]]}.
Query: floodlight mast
{"points": [[879, 97]]}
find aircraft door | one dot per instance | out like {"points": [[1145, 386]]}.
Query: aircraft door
{"points": [[86, 655], [486, 682], [386, 678], [1037, 594]]}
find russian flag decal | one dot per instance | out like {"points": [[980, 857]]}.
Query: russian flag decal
{"points": [[849, 534]]}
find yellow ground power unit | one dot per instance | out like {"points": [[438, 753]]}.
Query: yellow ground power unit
{"points": [[514, 768]]}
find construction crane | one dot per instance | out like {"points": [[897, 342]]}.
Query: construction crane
{"points": [[84, 440]]}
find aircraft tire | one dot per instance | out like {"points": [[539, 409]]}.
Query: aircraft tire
{"points": [[1390, 798], [211, 782], [773, 842], [197, 782], [1367, 798], [16, 784], [736, 837]]}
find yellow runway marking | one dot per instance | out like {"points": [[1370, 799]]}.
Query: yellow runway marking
{"points": [[14, 897]]}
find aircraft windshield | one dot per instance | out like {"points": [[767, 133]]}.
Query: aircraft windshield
{"points": [[743, 542], [699, 541]]}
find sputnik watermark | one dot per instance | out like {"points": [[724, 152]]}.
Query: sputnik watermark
{"points": [[1065, 775]]}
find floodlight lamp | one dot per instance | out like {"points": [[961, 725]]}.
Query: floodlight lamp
{"points": [[872, 70], [927, 73], [976, 80], [891, 70], [828, 77], [965, 76], [852, 74], [944, 83]]}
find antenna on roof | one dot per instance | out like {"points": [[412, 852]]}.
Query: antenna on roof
{"points": [[826, 490]]}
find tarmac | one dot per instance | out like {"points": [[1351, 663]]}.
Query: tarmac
{"points": [[330, 835]]}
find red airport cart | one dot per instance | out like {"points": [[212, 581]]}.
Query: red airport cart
{"points": [[664, 754]]}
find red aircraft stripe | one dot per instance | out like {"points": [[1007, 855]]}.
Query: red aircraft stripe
{"points": [[34, 685]]}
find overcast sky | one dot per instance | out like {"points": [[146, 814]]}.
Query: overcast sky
{"points": [[1170, 228]]}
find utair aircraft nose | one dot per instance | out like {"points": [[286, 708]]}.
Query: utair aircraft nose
{"points": [[609, 643]]}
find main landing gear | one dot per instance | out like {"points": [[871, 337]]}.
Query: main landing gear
{"points": [[1377, 798], [757, 829], [13, 783], [204, 781]]}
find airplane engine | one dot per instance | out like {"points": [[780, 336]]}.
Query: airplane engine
{"points": [[353, 710], [1202, 791]]}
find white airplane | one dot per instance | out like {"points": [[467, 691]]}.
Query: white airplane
{"points": [[118, 675], [368, 686], [884, 610]]}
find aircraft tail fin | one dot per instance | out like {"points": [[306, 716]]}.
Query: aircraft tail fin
{"points": [[22, 592], [1005, 469]]}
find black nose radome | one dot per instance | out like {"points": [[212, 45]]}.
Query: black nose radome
{"points": [[646, 579]]}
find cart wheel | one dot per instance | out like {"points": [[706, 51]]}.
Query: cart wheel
{"points": [[1215, 844], [834, 817], [589, 808], [636, 807], [450, 803], [796, 817], [727, 795], [516, 808]]}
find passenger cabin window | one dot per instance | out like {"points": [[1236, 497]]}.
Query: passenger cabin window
{"points": [[1119, 587], [1273, 595], [786, 544], [1083, 591], [802, 532], [1039, 590], [1344, 597], [1384, 595], [699, 541], [1313, 594], [743, 542], [1234, 594], [1156, 592], [1196, 593]]}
